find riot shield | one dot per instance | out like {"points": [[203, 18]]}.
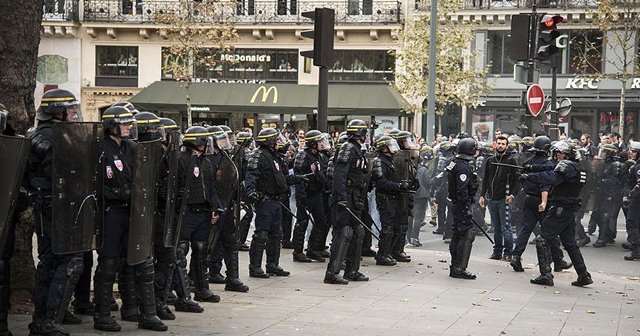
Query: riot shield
{"points": [[406, 161], [77, 186], [168, 224], [14, 152], [370, 156], [143, 201], [227, 180]]}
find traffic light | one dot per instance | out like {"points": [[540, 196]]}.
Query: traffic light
{"points": [[519, 41], [322, 35], [547, 36]]}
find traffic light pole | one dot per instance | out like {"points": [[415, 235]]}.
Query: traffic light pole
{"points": [[323, 99], [553, 123], [528, 117]]}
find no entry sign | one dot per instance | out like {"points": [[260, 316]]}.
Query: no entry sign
{"points": [[535, 99]]}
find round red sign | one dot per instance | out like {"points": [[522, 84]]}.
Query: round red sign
{"points": [[535, 99]]}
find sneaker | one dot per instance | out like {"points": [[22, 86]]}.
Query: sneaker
{"points": [[164, 313], [368, 252], [106, 323], [313, 255], [301, 257], [69, 318]]}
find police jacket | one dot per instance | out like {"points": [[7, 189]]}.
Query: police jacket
{"points": [[349, 172], [196, 174], [266, 173], [325, 162], [539, 162], [463, 183], [39, 171], [497, 178], [613, 176], [308, 161], [118, 171], [385, 175], [567, 179]]}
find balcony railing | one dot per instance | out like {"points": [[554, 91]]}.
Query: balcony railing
{"points": [[516, 4], [249, 11], [60, 10]]}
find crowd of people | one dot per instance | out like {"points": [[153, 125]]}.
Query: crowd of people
{"points": [[143, 195]]}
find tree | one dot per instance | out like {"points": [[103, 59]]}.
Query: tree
{"points": [[458, 81], [197, 31], [618, 20], [19, 40]]}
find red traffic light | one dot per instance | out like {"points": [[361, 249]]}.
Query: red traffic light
{"points": [[550, 21]]}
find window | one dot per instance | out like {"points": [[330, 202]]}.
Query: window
{"points": [[247, 65], [362, 65], [116, 66], [132, 6], [585, 52], [498, 52], [287, 7], [354, 7]]}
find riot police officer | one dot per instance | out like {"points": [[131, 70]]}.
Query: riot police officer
{"points": [[309, 200], [56, 274], [197, 188], [445, 154], [348, 190], [119, 155], [633, 203], [246, 146], [462, 187], [567, 179], [611, 186], [535, 205], [424, 175], [265, 183], [388, 188]]}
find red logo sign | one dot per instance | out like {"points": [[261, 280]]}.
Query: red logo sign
{"points": [[535, 99]]}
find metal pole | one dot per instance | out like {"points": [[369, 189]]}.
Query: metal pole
{"points": [[553, 123], [533, 44], [323, 99], [428, 119]]}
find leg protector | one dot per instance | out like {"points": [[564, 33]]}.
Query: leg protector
{"points": [[127, 287], [460, 258], [355, 251], [103, 280], [233, 282], [273, 254], [544, 263], [5, 292], [144, 281], [339, 246], [200, 278], [258, 245], [73, 270]]}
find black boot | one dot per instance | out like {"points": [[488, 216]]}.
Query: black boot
{"points": [[127, 287], [301, 257], [460, 260], [233, 282], [216, 278], [339, 247], [313, 255], [544, 263], [103, 281], [635, 253], [516, 263], [584, 279], [145, 292], [5, 294], [201, 280], [559, 266], [53, 326], [183, 302], [273, 255], [383, 256], [352, 271], [258, 246]]}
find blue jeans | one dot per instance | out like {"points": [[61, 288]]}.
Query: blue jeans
{"points": [[502, 234]]}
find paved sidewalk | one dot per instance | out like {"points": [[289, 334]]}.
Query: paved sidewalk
{"points": [[417, 298]]}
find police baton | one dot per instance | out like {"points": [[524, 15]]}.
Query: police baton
{"points": [[288, 210], [506, 165], [483, 231], [359, 221]]}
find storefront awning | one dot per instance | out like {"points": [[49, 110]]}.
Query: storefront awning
{"points": [[344, 99]]}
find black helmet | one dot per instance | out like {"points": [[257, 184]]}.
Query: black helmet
{"points": [[342, 139], [230, 135], [467, 148], [196, 136], [392, 133], [542, 143], [607, 151], [312, 138], [116, 116], [242, 136], [169, 125], [386, 141], [220, 137], [58, 101], [405, 140], [357, 128], [128, 106], [149, 127], [462, 135], [269, 137]]}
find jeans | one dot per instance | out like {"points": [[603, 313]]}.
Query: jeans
{"points": [[502, 234]]}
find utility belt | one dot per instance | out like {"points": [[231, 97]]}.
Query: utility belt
{"points": [[117, 205], [536, 196], [386, 196], [198, 208]]}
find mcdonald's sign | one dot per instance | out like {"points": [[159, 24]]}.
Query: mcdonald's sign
{"points": [[265, 94]]}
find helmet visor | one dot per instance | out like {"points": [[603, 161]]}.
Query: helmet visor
{"points": [[223, 142], [74, 113], [232, 139], [127, 129], [281, 140], [410, 143], [367, 138], [603, 153], [393, 146], [323, 142], [209, 147]]}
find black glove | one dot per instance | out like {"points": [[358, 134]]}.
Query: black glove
{"points": [[524, 177], [625, 202], [255, 197], [469, 212], [343, 204], [403, 186], [527, 167]]}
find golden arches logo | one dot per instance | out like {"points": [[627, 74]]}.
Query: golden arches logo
{"points": [[265, 94]]}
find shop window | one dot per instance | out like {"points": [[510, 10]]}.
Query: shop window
{"points": [[610, 122], [581, 124], [116, 66], [362, 65], [498, 52]]}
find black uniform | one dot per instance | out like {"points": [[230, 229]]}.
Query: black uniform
{"points": [[309, 201], [245, 221], [267, 178], [388, 186], [348, 193], [441, 180], [56, 275], [633, 215], [564, 200], [462, 186], [611, 186]]}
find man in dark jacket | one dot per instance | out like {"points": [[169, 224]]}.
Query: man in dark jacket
{"points": [[499, 185]]}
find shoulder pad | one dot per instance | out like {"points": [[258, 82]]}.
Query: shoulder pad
{"points": [[451, 165], [299, 161], [39, 144], [344, 153], [254, 158], [377, 167], [563, 166]]}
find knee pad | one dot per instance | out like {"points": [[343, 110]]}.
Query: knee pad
{"points": [[107, 268], [346, 232], [261, 238], [541, 242], [74, 269], [144, 271], [199, 249], [470, 236]]}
